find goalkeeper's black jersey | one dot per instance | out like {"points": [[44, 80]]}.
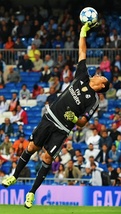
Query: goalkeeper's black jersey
{"points": [[78, 97]]}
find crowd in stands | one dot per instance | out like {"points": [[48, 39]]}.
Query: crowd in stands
{"points": [[87, 151]]}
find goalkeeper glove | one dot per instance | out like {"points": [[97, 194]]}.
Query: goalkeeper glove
{"points": [[86, 27], [70, 115]]}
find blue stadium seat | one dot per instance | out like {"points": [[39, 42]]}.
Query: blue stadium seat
{"points": [[6, 167], [98, 53], [91, 70], [100, 42]]}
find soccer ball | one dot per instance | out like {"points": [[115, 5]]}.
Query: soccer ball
{"points": [[88, 14]]}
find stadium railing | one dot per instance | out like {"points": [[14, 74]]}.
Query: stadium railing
{"points": [[94, 55]]}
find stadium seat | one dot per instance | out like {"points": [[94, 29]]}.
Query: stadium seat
{"points": [[91, 70], [6, 167], [98, 53], [100, 42]]}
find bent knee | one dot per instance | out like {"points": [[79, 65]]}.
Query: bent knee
{"points": [[32, 147], [47, 158]]}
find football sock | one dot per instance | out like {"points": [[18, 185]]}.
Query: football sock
{"points": [[41, 176], [23, 160]]}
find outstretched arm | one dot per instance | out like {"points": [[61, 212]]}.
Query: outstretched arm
{"points": [[82, 42]]}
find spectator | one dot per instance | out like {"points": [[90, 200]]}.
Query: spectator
{"points": [[24, 93], [112, 174], [94, 139], [45, 74], [103, 28], [36, 91], [115, 71], [103, 155], [105, 139], [52, 95], [9, 45], [2, 64], [57, 43], [13, 167], [1, 80], [80, 164], [114, 155], [56, 84], [65, 83], [48, 61], [116, 43], [77, 154], [20, 142], [13, 76], [69, 43], [31, 53], [113, 33], [91, 151], [96, 179], [66, 73], [116, 82], [117, 143], [113, 132], [7, 127], [14, 102], [18, 44], [89, 164], [16, 30], [14, 117], [97, 124], [5, 146], [59, 174], [37, 63], [70, 148], [3, 104], [118, 181], [88, 130], [41, 98], [111, 93], [65, 156], [69, 62], [72, 172], [56, 164], [105, 64], [60, 62], [78, 134], [37, 41], [25, 64], [25, 29], [117, 62], [2, 135], [20, 131], [22, 114], [118, 94], [103, 105]]}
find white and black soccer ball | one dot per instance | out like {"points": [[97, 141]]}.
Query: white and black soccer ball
{"points": [[88, 14]]}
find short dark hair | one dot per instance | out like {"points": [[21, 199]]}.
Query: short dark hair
{"points": [[103, 90]]}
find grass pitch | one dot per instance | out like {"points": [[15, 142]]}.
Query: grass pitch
{"points": [[18, 209]]}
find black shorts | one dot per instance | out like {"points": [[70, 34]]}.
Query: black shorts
{"points": [[47, 135]]}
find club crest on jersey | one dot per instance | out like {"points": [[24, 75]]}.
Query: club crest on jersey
{"points": [[84, 89], [87, 96]]}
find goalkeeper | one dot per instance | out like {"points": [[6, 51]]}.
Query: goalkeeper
{"points": [[75, 105]]}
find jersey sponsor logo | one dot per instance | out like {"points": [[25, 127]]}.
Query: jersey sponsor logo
{"points": [[84, 89], [75, 94], [87, 96]]}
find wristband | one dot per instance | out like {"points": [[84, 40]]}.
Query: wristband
{"points": [[83, 33], [75, 119]]}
